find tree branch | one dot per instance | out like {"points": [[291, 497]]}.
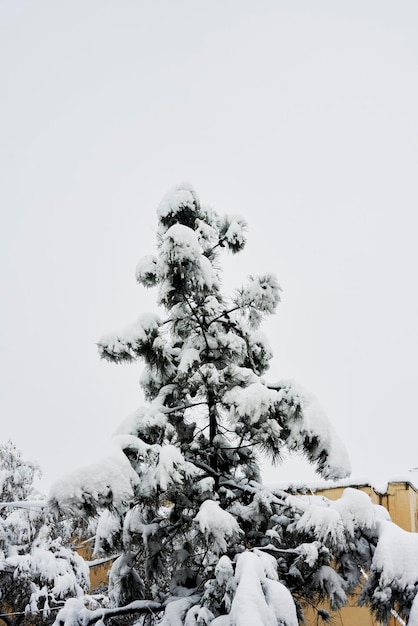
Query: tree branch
{"points": [[87, 617], [25, 504]]}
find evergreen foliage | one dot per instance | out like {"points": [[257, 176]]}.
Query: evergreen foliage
{"points": [[38, 568], [200, 540]]}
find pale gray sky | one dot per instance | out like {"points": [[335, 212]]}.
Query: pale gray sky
{"points": [[300, 115]]}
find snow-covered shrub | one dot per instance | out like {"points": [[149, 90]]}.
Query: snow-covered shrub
{"points": [[38, 568]]}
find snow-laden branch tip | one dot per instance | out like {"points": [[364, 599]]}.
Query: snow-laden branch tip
{"points": [[25, 504]]}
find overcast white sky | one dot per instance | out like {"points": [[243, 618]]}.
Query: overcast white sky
{"points": [[299, 115]]}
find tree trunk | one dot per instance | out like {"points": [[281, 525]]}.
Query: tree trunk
{"points": [[213, 429]]}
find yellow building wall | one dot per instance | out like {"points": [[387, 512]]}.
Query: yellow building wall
{"points": [[99, 572]]}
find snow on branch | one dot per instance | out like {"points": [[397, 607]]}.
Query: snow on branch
{"points": [[216, 525], [253, 402], [182, 263], [172, 468], [259, 297], [146, 271], [396, 556], [25, 504], [332, 586], [232, 232], [74, 613], [308, 430], [179, 205], [132, 342], [110, 481], [132, 468], [260, 598], [393, 580]]}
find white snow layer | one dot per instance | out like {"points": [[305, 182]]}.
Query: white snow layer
{"points": [[188, 357], [146, 270], [260, 598], [130, 338], [181, 196], [396, 556], [252, 402], [257, 401], [110, 480], [336, 520], [181, 246], [216, 525], [315, 423], [235, 234], [61, 569], [172, 467], [261, 292], [144, 417]]}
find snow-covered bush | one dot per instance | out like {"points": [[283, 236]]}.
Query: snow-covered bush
{"points": [[200, 540], [38, 569]]}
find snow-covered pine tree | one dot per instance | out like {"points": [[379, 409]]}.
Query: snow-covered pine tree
{"points": [[38, 568], [199, 539]]}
